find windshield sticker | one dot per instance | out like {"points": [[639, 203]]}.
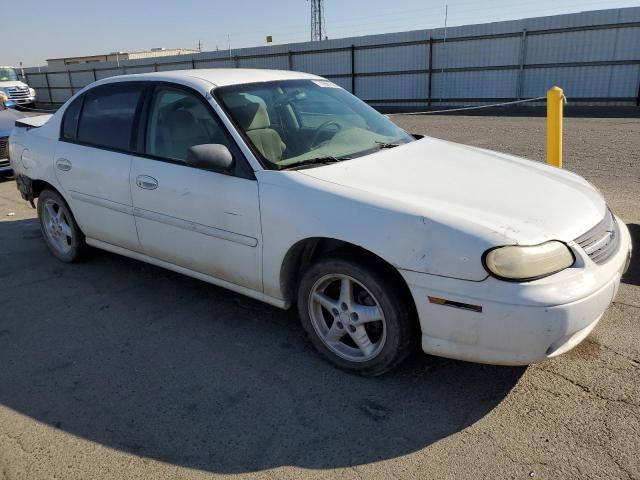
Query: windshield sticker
{"points": [[325, 84]]}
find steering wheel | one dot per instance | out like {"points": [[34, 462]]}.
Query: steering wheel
{"points": [[321, 128]]}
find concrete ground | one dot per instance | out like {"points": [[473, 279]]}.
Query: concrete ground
{"points": [[116, 369]]}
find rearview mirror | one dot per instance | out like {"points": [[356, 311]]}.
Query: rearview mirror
{"points": [[210, 156]]}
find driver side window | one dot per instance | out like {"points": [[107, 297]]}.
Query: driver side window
{"points": [[177, 121]]}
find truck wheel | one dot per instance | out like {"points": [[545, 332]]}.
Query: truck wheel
{"points": [[59, 228], [355, 315]]}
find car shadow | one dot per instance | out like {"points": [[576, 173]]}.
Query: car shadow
{"points": [[632, 277], [160, 365]]}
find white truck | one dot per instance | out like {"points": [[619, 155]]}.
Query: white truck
{"points": [[17, 92]]}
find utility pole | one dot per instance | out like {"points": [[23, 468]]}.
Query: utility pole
{"points": [[318, 28]]}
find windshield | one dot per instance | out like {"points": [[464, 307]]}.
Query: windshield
{"points": [[8, 75], [294, 122]]}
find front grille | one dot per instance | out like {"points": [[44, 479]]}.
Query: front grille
{"points": [[17, 93], [4, 149], [602, 241]]}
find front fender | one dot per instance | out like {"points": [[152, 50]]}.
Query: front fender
{"points": [[295, 207]]}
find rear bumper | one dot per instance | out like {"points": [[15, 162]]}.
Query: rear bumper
{"points": [[519, 323]]}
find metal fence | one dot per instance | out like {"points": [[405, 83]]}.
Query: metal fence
{"points": [[594, 56]]}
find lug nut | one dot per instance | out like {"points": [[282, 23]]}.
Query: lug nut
{"points": [[352, 328], [340, 325], [344, 307], [354, 316], [335, 311]]}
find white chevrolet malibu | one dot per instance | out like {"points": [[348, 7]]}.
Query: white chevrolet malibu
{"points": [[284, 187]]}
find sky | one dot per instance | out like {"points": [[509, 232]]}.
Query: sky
{"points": [[63, 28]]}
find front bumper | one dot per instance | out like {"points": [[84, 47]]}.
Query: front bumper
{"points": [[11, 102], [519, 323]]}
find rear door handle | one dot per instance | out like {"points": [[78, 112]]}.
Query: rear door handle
{"points": [[63, 164], [146, 182]]}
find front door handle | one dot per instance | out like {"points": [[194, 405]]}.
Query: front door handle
{"points": [[146, 182], [63, 164]]}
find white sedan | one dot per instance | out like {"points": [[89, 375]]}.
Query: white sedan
{"points": [[285, 187]]}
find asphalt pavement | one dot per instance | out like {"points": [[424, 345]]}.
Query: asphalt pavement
{"points": [[113, 369]]}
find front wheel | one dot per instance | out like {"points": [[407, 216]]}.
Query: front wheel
{"points": [[355, 315], [60, 230]]}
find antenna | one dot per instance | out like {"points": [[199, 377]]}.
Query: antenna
{"points": [[318, 29]]}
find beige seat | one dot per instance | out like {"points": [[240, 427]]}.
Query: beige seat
{"points": [[251, 114]]}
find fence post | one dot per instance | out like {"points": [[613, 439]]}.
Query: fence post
{"points": [[236, 61], [95, 77], [353, 69], [638, 97], [70, 81], [290, 59], [430, 76], [46, 79], [193, 64], [555, 98], [523, 55]]}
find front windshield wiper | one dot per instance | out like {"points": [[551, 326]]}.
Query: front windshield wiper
{"points": [[382, 145], [317, 161]]}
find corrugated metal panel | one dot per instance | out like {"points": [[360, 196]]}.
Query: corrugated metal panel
{"points": [[477, 53], [279, 63], [411, 57], [60, 95], [476, 84], [81, 79], [492, 63], [586, 46], [227, 63], [140, 69], [59, 80], [392, 86], [174, 66], [328, 63], [100, 74], [605, 81]]}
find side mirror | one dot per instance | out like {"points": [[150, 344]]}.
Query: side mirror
{"points": [[210, 156]]}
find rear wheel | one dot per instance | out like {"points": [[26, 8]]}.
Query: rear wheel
{"points": [[355, 315], [59, 228]]}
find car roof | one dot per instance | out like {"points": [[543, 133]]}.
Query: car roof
{"points": [[219, 77]]}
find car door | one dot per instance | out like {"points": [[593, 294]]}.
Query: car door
{"points": [[92, 161], [205, 221]]}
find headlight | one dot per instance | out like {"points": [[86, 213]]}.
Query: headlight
{"points": [[32, 92], [523, 263]]}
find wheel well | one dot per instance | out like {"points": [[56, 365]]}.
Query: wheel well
{"points": [[37, 186], [301, 255]]}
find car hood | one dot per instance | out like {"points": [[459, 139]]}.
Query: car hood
{"points": [[512, 200], [14, 83]]}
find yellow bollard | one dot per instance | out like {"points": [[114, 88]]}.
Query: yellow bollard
{"points": [[555, 98]]}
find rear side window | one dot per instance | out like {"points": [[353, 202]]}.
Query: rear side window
{"points": [[108, 115], [70, 120]]}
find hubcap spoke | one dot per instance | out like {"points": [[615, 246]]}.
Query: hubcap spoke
{"points": [[328, 303], [366, 314], [361, 338], [50, 211], [346, 293], [335, 333], [66, 229]]}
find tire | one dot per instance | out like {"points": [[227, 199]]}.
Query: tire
{"points": [[59, 227], [322, 298]]}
